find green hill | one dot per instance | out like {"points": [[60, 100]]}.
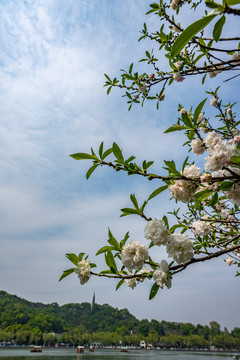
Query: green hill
{"points": [[52, 317], [23, 322]]}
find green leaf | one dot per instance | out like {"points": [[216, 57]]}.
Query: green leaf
{"points": [[203, 195], [91, 170], [106, 153], [218, 28], [118, 153], [134, 201], [124, 240], [108, 77], [153, 291], [84, 156], [66, 273], [175, 128], [100, 151], [184, 38], [157, 191], [198, 110], [105, 249], [165, 219], [232, 2], [187, 121], [73, 258], [128, 211], [112, 241], [235, 160], [110, 260], [214, 199], [226, 185], [119, 284], [211, 4], [80, 256]]}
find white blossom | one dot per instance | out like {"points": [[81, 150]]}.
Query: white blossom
{"points": [[134, 255], [142, 88], [176, 28], [131, 282], [178, 77], [229, 261], [161, 275], [213, 101], [197, 146], [201, 117], [233, 194], [201, 228], [192, 171], [180, 248], [157, 232], [206, 178], [236, 139], [83, 271], [183, 111], [220, 151], [182, 190], [236, 56]]}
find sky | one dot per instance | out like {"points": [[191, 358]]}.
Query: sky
{"points": [[53, 58]]}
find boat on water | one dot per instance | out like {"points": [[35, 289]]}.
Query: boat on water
{"points": [[80, 349], [36, 349], [235, 356], [124, 350], [91, 348]]}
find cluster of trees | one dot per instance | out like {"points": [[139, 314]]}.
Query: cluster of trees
{"points": [[24, 323]]}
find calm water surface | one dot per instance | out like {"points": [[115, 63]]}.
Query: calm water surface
{"points": [[109, 354]]}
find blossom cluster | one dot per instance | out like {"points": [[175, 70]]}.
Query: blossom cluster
{"points": [[178, 246], [220, 151], [83, 271], [201, 227], [184, 190], [162, 276], [134, 255]]}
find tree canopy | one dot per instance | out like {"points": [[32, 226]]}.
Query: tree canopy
{"points": [[207, 198]]}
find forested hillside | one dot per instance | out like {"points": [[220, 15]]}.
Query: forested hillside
{"points": [[25, 322]]}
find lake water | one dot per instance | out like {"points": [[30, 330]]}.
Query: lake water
{"points": [[109, 354]]}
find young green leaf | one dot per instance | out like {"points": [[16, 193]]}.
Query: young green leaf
{"points": [[118, 153], [153, 291], [175, 128], [91, 170], [157, 191], [110, 260], [218, 28], [73, 258], [198, 110], [184, 38], [66, 273], [119, 284], [84, 156]]}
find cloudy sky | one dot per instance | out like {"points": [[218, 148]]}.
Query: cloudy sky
{"points": [[52, 102]]}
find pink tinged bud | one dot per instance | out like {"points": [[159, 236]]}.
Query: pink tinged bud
{"points": [[213, 101], [178, 77], [151, 77], [229, 111], [236, 139], [229, 261]]}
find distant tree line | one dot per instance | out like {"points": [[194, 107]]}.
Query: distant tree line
{"points": [[24, 323]]}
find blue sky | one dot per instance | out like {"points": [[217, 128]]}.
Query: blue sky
{"points": [[52, 103]]}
